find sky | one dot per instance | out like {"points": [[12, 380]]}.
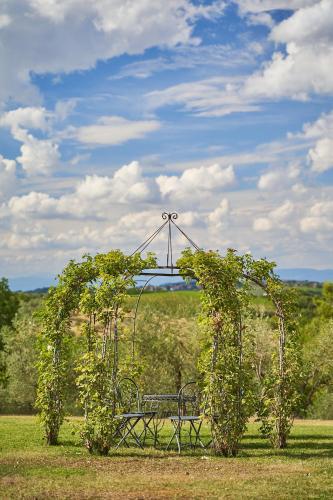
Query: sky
{"points": [[114, 111]]}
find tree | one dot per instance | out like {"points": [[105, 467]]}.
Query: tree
{"points": [[325, 302], [9, 304]]}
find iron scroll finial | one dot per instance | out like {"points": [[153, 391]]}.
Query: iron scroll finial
{"points": [[169, 223], [169, 216]]}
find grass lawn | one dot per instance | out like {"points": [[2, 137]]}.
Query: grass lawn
{"points": [[29, 469]]}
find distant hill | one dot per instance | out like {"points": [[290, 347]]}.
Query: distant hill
{"points": [[39, 283], [305, 274]]}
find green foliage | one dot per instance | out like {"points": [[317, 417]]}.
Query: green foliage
{"points": [[227, 284], [9, 304], [225, 363], [20, 340], [280, 385], [317, 380], [95, 288], [97, 397], [325, 302], [167, 340]]}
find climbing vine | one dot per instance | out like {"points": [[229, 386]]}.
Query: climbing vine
{"points": [[95, 290], [226, 362]]}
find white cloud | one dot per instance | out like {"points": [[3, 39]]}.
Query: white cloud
{"points": [[262, 224], [311, 24], [315, 224], [218, 217], [213, 55], [321, 127], [27, 118], [38, 157], [91, 198], [278, 218], [318, 218], [283, 212], [8, 180], [246, 6], [269, 180], [5, 20], [305, 69], [278, 179], [194, 183], [75, 34], [321, 156], [261, 18], [31, 204], [93, 195], [217, 96], [298, 72], [111, 130]]}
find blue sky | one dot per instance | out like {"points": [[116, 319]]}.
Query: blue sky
{"points": [[113, 111]]}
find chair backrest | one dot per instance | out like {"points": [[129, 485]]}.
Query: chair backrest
{"points": [[190, 400], [128, 396]]}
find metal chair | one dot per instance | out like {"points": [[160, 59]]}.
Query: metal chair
{"points": [[129, 402], [189, 412]]}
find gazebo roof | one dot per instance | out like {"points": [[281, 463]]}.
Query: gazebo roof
{"points": [[170, 226]]}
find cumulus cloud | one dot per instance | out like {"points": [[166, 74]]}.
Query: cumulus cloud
{"points": [[91, 198], [318, 219], [33, 203], [8, 180], [315, 224], [262, 224], [111, 130], [283, 212], [320, 132], [26, 118], [277, 179], [38, 156], [321, 156], [308, 35], [219, 216], [93, 195], [278, 218], [75, 34], [196, 182]]}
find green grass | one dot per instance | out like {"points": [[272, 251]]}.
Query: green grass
{"points": [[30, 469]]}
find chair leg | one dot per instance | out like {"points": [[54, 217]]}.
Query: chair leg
{"points": [[197, 433], [146, 429], [176, 434], [129, 431]]}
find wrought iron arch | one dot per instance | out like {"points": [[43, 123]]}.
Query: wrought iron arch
{"points": [[169, 225]]}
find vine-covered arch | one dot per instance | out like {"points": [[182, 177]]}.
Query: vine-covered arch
{"points": [[97, 288]]}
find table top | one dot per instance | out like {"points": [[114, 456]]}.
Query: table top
{"points": [[160, 397], [166, 397]]}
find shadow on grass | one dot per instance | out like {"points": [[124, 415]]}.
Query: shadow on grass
{"points": [[305, 446]]}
